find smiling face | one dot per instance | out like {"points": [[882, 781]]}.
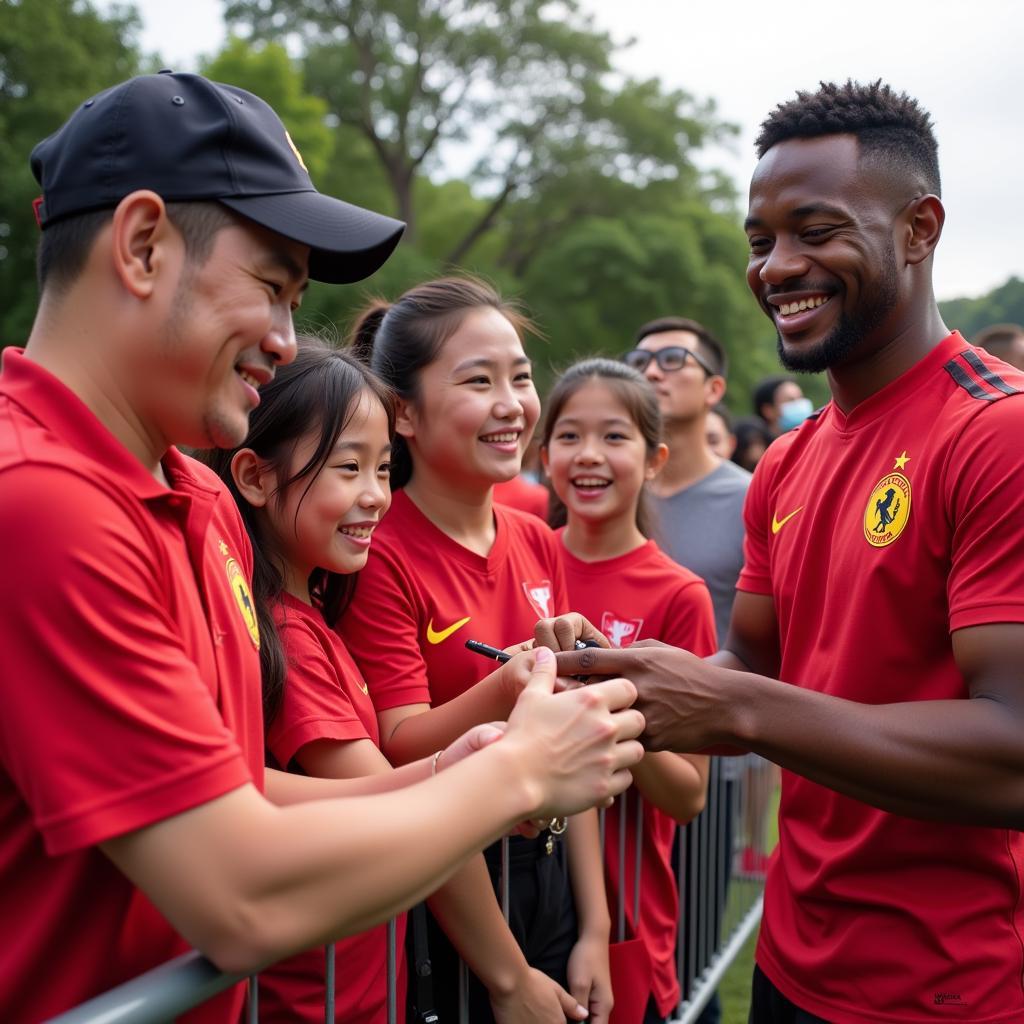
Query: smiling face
{"points": [[596, 456], [476, 407], [228, 324], [823, 266], [327, 522]]}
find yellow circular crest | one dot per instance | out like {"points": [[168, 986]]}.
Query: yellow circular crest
{"points": [[243, 598], [888, 510]]}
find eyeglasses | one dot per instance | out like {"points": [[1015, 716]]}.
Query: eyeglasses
{"points": [[671, 358]]}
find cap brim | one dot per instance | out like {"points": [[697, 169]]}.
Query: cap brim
{"points": [[347, 243]]}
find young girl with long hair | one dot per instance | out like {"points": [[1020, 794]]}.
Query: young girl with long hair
{"points": [[601, 443], [312, 483], [448, 565]]}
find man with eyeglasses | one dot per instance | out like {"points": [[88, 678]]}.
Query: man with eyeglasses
{"points": [[698, 496]]}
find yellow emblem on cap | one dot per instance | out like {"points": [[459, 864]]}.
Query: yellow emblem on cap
{"points": [[888, 510], [295, 150], [243, 598]]}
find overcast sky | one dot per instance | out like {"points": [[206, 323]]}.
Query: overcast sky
{"points": [[963, 61]]}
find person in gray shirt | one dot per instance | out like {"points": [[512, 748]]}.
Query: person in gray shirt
{"points": [[697, 497], [697, 505]]}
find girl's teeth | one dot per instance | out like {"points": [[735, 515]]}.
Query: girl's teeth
{"points": [[500, 438], [356, 531], [590, 482], [789, 308]]}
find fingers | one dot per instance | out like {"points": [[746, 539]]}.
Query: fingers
{"points": [[542, 675], [615, 694], [571, 1007], [595, 662], [562, 632]]}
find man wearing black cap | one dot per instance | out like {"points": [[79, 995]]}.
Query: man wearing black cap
{"points": [[179, 230]]}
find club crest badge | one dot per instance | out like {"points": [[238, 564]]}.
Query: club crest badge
{"points": [[621, 632], [887, 511], [243, 598], [538, 593]]}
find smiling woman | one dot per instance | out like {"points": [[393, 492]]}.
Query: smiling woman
{"points": [[448, 564]]}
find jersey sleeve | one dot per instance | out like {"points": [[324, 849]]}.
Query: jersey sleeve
{"points": [[755, 576], [984, 487], [107, 724], [690, 620], [315, 704], [381, 629]]}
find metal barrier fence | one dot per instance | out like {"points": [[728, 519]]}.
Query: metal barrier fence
{"points": [[720, 874]]}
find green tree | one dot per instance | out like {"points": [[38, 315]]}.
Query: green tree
{"points": [[529, 84], [1002, 305], [53, 55]]}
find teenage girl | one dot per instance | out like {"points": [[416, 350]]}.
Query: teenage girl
{"points": [[601, 443], [449, 565], [312, 483]]}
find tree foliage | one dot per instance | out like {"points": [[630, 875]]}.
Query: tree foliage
{"points": [[53, 55], [1002, 305]]}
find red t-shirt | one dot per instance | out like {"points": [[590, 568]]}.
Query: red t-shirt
{"points": [[131, 686], [644, 595], [325, 698], [877, 534], [422, 595], [524, 495]]}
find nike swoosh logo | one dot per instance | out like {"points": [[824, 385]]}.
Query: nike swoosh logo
{"points": [[435, 636], [778, 524]]}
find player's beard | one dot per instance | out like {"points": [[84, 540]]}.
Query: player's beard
{"points": [[851, 329]]}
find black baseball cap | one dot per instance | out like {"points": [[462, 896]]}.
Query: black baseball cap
{"points": [[187, 138]]}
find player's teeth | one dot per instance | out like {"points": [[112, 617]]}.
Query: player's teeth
{"points": [[788, 308], [249, 379], [354, 531]]}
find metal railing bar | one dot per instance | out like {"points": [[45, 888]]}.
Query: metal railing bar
{"points": [[158, 995]]}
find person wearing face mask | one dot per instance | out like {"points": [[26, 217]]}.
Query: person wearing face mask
{"points": [[781, 403]]}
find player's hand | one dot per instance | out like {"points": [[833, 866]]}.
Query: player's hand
{"points": [[682, 697], [578, 745], [536, 998]]}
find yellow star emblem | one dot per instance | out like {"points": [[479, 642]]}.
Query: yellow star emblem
{"points": [[901, 460], [223, 548]]}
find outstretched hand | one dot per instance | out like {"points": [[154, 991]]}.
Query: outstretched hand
{"points": [[581, 743], [681, 696]]}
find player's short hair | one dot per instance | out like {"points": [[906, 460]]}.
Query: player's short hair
{"points": [[891, 127], [65, 245], [711, 347], [998, 337]]}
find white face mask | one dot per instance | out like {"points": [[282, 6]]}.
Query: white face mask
{"points": [[794, 412]]}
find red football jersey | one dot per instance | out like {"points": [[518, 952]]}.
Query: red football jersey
{"points": [[644, 595], [325, 698], [132, 686], [877, 533], [422, 595]]}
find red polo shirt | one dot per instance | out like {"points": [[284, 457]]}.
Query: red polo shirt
{"points": [[876, 534], [131, 686]]}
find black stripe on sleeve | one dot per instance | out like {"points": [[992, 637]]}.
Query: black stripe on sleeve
{"points": [[968, 383], [988, 375]]}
